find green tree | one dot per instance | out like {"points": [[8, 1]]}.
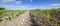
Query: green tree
{"points": [[2, 8]]}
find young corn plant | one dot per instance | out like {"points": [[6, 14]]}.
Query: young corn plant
{"points": [[55, 23], [48, 16]]}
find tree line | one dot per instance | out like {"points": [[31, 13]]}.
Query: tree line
{"points": [[2, 8]]}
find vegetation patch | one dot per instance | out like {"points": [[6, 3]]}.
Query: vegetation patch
{"points": [[51, 16], [10, 13]]}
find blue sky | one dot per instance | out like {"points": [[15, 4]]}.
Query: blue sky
{"points": [[29, 4]]}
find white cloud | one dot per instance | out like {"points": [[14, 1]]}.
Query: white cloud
{"points": [[5, 1], [55, 5], [18, 2], [13, 7]]}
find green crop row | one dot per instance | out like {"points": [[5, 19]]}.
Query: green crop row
{"points": [[48, 14], [10, 13]]}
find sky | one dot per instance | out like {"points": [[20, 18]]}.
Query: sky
{"points": [[29, 4]]}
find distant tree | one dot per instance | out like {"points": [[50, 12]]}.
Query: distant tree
{"points": [[55, 9], [58, 8], [2, 8], [37, 9]]}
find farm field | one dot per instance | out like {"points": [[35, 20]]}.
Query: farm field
{"points": [[32, 17], [51, 17], [10, 13]]}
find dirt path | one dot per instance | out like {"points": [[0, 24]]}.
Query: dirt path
{"points": [[22, 20]]}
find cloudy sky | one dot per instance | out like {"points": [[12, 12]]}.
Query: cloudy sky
{"points": [[29, 4]]}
